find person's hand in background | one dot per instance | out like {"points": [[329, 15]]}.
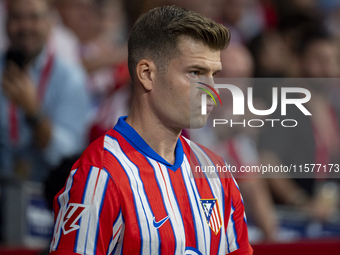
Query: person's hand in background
{"points": [[19, 89]]}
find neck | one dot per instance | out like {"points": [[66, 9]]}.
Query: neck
{"points": [[161, 138]]}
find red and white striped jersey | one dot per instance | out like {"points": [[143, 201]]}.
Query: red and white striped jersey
{"points": [[121, 197]]}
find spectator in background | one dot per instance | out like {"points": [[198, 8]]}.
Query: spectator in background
{"points": [[319, 55], [316, 139], [332, 21], [238, 144], [245, 18], [273, 58], [63, 40], [101, 29], [43, 101], [101, 46]]}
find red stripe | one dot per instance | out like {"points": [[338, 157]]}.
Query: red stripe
{"points": [[113, 238], [212, 222], [167, 193], [122, 181], [205, 193], [155, 197], [217, 217], [95, 186], [109, 214], [184, 205], [204, 189], [218, 211], [215, 222], [76, 195], [238, 215]]}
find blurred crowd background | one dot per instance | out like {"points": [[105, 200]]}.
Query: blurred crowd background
{"points": [[64, 82]]}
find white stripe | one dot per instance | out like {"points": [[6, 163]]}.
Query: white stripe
{"points": [[237, 187], [213, 222], [145, 218], [234, 180], [231, 234], [95, 210], [117, 227], [120, 241], [85, 219], [216, 186], [63, 201], [171, 206], [217, 217], [202, 228]]}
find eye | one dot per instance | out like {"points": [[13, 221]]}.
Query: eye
{"points": [[194, 74]]}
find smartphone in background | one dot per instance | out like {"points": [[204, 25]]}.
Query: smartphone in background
{"points": [[17, 56]]}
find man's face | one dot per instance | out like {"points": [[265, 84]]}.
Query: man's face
{"points": [[176, 98], [27, 25]]}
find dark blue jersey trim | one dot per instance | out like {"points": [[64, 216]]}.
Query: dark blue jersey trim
{"points": [[139, 144]]}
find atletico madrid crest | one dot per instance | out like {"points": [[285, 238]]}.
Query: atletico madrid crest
{"points": [[212, 214]]}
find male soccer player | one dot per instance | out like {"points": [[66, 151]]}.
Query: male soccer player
{"points": [[131, 191]]}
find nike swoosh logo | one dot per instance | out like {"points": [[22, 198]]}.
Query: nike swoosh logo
{"points": [[159, 223]]}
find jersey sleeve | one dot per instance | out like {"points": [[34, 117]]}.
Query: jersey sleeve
{"points": [[236, 222], [87, 215]]}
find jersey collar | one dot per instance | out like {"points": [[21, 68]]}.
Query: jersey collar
{"points": [[139, 144]]}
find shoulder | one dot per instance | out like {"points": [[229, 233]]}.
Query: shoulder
{"points": [[199, 150], [103, 152], [204, 162], [93, 154]]}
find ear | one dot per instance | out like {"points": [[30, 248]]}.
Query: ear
{"points": [[145, 71]]}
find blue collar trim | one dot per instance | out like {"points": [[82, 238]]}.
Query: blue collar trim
{"points": [[139, 144]]}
